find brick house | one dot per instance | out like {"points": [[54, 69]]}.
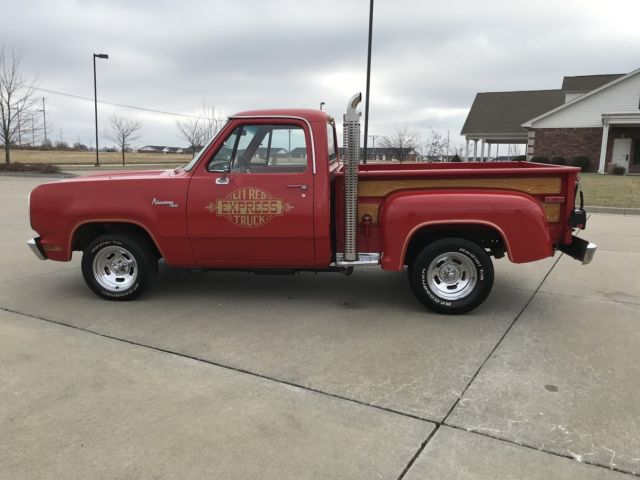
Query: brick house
{"points": [[597, 116]]}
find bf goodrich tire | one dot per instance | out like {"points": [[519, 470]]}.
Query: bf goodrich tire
{"points": [[119, 266], [452, 275]]}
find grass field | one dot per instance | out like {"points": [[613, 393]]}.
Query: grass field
{"points": [[599, 190], [611, 190], [89, 158]]}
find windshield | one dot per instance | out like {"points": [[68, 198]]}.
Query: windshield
{"points": [[194, 160]]}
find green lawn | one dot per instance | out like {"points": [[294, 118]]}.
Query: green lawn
{"points": [[611, 190]]}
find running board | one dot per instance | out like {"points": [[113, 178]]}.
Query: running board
{"points": [[363, 260]]}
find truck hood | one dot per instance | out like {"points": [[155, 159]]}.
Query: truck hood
{"points": [[124, 175]]}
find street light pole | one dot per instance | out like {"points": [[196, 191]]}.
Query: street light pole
{"points": [[44, 121], [321, 104], [95, 99], [366, 104]]}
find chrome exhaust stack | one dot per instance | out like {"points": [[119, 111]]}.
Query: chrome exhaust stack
{"points": [[351, 159]]}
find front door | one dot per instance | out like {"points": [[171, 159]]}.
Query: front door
{"points": [[634, 166], [251, 203], [621, 152]]}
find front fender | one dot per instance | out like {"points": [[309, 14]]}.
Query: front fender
{"points": [[517, 217], [59, 209]]}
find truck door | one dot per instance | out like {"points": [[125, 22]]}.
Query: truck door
{"points": [[251, 203]]}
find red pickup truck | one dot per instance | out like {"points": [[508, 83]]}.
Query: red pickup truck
{"points": [[270, 193]]}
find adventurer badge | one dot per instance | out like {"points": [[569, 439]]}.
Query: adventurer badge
{"points": [[249, 207]]}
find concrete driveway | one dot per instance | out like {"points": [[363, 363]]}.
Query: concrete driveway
{"points": [[236, 376]]}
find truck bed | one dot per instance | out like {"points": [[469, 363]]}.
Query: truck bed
{"points": [[552, 186]]}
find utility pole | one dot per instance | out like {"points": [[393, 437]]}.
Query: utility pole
{"points": [[33, 132], [44, 121], [95, 99], [447, 157], [366, 107]]}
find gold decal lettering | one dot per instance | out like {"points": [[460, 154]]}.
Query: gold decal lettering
{"points": [[249, 207]]}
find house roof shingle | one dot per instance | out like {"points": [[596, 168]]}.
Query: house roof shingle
{"points": [[504, 112], [586, 83]]}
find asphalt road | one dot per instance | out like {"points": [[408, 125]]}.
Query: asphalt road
{"points": [[235, 376]]}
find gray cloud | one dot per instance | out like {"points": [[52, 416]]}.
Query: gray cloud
{"points": [[430, 58]]}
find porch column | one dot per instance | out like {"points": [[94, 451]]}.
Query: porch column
{"points": [[466, 151], [488, 151], [475, 150], [497, 150], [603, 148], [482, 149]]}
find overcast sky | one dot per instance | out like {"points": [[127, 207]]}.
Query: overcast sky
{"points": [[429, 57]]}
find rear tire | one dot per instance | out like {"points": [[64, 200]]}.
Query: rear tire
{"points": [[451, 276], [119, 266]]}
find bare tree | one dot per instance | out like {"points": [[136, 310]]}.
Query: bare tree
{"points": [[212, 122], [197, 131], [193, 132], [435, 146], [401, 144], [16, 99], [123, 131]]}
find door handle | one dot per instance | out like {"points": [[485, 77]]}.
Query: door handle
{"points": [[301, 187], [222, 181]]}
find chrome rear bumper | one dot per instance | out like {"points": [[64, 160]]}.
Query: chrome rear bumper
{"points": [[579, 249], [34, 245], [589, 253]]}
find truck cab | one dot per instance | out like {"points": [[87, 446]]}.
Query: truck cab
{"points": [[259, 196]]}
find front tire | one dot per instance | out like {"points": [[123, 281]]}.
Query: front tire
{"points": [[118, 267], [452, 276]]}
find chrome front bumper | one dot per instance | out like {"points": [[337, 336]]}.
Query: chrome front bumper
{"points": [[34, 245]]}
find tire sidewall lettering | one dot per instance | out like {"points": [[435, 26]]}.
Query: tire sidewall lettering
{"points": [[106, 243], [126, 293]]}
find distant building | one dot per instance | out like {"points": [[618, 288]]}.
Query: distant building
{"points": [[383, 154], [596, 116], [164, 149]]}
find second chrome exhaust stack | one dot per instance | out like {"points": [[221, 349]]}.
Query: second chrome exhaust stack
{"points": [[351, 141]]}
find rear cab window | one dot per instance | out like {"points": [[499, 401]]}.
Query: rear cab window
{"points": [[332, 150]]}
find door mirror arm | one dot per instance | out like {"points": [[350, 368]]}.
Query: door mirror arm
{"points": [[224, 179]]}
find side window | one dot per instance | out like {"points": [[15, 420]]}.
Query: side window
{"points": [[263, 149], [223, 157]]}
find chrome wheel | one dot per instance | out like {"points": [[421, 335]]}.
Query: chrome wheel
{"points": [[451, 276], [115, 268]]}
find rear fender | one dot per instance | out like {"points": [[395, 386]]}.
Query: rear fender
{"points": [[516, 216]]}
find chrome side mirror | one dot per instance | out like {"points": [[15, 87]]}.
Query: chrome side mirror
{"points": [[224, 179]]}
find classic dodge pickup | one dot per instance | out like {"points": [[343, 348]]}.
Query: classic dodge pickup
{"points": [[270, 193]]}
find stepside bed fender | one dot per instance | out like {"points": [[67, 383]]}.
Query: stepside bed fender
{"points": [[517, 217]]}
